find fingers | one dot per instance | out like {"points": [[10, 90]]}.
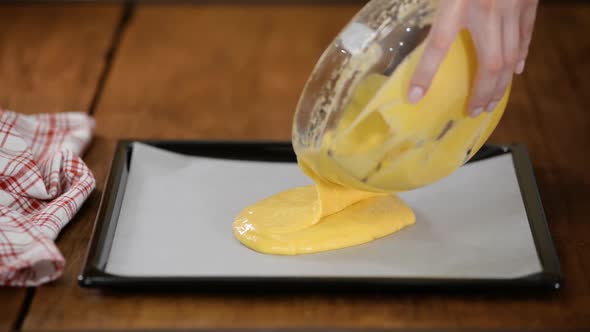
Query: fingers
{"points": [[510, 51], [483, 24], [501, 32], [501, 85], [527, 23], [510, 35], [444, 30]]}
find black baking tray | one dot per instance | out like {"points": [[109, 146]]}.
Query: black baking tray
{"points": [[93, 274]]}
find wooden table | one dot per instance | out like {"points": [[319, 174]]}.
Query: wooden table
{"points": [[235, 71]]}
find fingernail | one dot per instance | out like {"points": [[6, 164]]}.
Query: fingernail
{"points": [[476, 112], [416, 93], [491, 106], [520, 67]]}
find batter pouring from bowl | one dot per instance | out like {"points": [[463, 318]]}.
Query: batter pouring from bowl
{"points": [[392, 132]]}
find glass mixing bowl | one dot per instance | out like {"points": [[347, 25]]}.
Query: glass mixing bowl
{"points": [[353, 125]]}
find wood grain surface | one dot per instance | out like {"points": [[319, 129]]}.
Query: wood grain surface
{"points": [[51, 56], [226, 71], [50, 59], [11, 301], [235, 72]]}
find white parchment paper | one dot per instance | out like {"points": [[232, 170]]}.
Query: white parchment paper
{"points": [[178, 210]]}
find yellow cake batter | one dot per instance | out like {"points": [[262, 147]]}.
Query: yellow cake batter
{"points": [[382, 145], [317, 218]]}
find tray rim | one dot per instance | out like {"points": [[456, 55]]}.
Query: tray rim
{"points": [[92, 274]]}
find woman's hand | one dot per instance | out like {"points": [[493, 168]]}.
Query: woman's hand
{"points": [[501, 31]]}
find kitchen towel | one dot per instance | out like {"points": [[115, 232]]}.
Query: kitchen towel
{"points": [[43, 183]]}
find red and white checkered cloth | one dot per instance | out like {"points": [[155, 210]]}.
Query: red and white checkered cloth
{"points": [[43, 183]]}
